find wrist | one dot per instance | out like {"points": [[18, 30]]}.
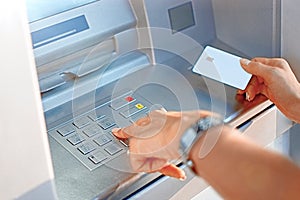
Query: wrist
{"points": [[296, 115], [204, 149], [194, 135], [292, 106]]}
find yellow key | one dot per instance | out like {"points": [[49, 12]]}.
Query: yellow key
{"points": [[139, 106]]}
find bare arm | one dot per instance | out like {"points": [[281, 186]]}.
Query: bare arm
{"points": [[239, 169], [234, 165]]}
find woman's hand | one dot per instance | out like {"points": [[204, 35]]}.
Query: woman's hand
{"points": [[154, 140], [274, 78]]}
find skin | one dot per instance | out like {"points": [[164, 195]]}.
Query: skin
{"points": [[154, 140], [240, 169], [235, 166]]}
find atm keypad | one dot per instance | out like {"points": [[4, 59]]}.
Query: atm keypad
{"points": [[89, 137]]}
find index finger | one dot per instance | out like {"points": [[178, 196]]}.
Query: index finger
{"points": [[262, 60], [120, 133], [268, 61], [127, 132]]}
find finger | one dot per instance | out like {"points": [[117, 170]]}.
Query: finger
{"points": [[163, 109], [263, 60], [264, 90], [254, 67], [252, 89], [240, 91], [196, 114], [205, 113], [173, 171], [192, 116], [160, 113], [274, 62], [260, 80], [144, 121], [269, 61], [120, 133], [140, 163], [240, 98], [148, 126]]}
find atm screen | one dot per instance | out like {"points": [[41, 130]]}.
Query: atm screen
{"points": [[181, 17]]}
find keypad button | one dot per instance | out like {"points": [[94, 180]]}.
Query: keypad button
{"points": [[76, 139], [96, 115], [98, 157], [86, 148], [81, 122], [139, 106], [102, 139], [135, 109], [92, 130], [66, 130], [129, 99], [106, 123], [119, 103], [113, 149]]}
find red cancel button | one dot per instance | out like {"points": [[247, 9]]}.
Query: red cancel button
{"points": [[129, 98]]}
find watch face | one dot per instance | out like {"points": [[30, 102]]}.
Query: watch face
{"points": [[191, 134], [187, 139], [207, 122]]}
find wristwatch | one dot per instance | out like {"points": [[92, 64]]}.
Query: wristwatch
{"points": [[192, 134]]}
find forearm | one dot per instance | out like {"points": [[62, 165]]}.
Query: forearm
{"points": [[239, 169]]}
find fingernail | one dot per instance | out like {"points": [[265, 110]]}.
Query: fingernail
{"points": [[247, 96], [115, 129], [163, 109], [240, 92], [183, 178], [245, 61]]}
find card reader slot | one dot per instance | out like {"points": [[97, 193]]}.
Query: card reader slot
{"points": [[89, 66], [58, 72], [67, 62]]}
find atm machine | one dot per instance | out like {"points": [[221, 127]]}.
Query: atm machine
{"points": [[103, 64]]}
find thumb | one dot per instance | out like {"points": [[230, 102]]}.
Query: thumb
{"points": [[173, 171], [254, 68]]}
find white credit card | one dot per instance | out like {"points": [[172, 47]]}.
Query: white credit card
{"points": [[223, 67]]}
